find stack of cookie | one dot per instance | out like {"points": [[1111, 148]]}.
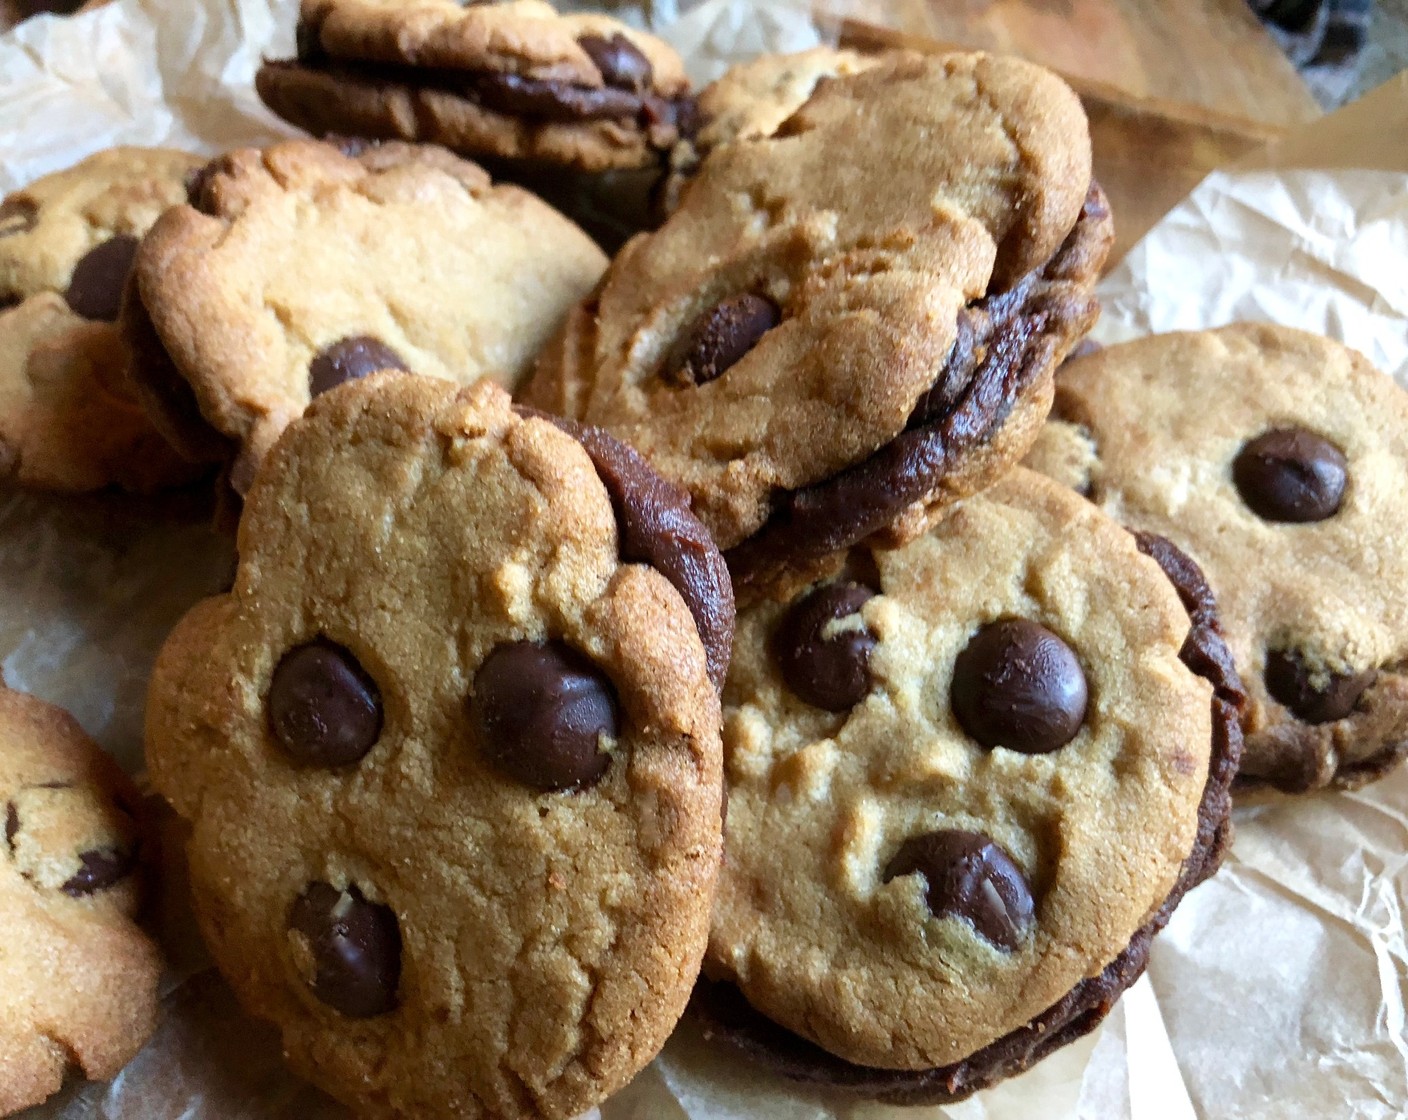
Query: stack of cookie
{"points": [[560, 577]]}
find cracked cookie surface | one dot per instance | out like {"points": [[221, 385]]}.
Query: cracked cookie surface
{"points": [[78, 979], [1278, 460], [68, 420], [908, 255], [948, 814], [302, 265], [515, 80], [450, 752]]}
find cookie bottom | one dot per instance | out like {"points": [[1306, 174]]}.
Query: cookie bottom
{"points": [[985, 408], [727, 1018]]}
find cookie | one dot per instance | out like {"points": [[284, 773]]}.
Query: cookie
{"points": [[750, 100], [512, 80], [1278, 460], [849, 323], [67, 419], [957, 820], [299, 266], [78, 979], [450, 753]]}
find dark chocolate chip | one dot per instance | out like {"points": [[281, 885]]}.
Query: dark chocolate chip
{"points": [[828, 670], [308, 40], [1018, 685], [17, 215], [971, 878], [9, 300], [553, 100], [1288, 679], [620, 61], [356, 949], [539, 713], [1291, 475], [324, 708], [98, 870], [12, 824], [720, 337], [95, 291], [349, 359]]}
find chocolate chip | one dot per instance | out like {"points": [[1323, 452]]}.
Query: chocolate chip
{"points": [[17, 215], [349, 359], [720, 337], [826, 665], [1018, 685], [98, 870], [1291, 475], [95, 291], [12, 824], [307, 38], [552, 99], [9, 300], [539, 713], [620, 61], [971, 878], [325, 710], [356, 949], [1288, 680]]}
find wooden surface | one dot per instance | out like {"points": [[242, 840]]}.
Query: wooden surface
{"points": [[1149, 151], [1210, 53]]}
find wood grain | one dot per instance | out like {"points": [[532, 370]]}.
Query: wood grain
{"points": [[1149, 152]]}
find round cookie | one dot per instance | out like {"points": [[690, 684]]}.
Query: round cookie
{"points": [[450, 753], [67, 418], [78, 979], [1279, 461], [513, 80], [849, 323], [304, 264], [750, 100], [956, 820]]}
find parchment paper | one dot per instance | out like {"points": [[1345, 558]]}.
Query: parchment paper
{"points": [[1279, 988]]}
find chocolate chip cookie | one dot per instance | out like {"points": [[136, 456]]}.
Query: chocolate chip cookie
{"points": [[956, 820], [78, 979], [300, 266], [851, 322], [1279, 461], [750, 100], [450, 753], [512, 80], [67, 418]]}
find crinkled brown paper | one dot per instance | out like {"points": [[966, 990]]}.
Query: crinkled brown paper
{"points": [[1278, 989]]}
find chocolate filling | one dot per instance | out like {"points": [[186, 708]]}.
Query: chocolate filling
{"points": [[1006, 341], [727, 1017], [657, 528], [536, 99]]}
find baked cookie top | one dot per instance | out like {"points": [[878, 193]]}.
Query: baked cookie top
{"points": [[514, 80], [442, 706], [78, 979], [1278, 460], [948, 811], [901, 257], [299, 266], [67, 418]]}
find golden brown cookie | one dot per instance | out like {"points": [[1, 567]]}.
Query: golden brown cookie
{"points": [[67, 418], [968, 781], [849, 323], [1279, 461], [450, 753], [299, 266], [78, 979], [514, 80]]}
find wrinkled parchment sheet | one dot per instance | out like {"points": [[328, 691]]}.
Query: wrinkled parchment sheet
{"points": [[1279, 988]]}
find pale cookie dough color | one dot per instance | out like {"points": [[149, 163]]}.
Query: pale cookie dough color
{"points": [[303, 265], [515, 81], [851, 322], [969, 779], [450, 753], [78, 979], [1278, 460], [68, 420]]}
